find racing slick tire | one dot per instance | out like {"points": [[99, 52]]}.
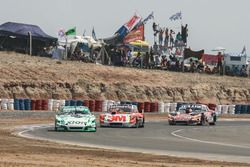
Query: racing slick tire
{"points": [[214, 120], [137, 124], [203, 120], [171, 123], [142, 124]]}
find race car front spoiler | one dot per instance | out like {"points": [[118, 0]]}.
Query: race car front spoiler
{"points": [[121, 125]]}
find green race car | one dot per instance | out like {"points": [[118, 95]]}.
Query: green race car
{"points": [[75, 118]]}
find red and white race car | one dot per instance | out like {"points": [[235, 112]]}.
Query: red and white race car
{"points": [[122, 116], [193, 114]]}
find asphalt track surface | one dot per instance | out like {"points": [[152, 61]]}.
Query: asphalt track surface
{"points": [[226, 141]]}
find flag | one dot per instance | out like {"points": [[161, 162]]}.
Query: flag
{"points": [[84, 32], [133, 22], [150, 16], [71, 31], [61, 33], [176, 16], [93, 34], [243, 50], [128, 27], [136, 34]]}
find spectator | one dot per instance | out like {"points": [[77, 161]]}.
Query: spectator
{"points": [[164, 63], [207, 70], [171, 38], [161, 37], [129, 55], [219, 64], [184, 33], [243, 71], [166, 38], [146, 60], [178, 39]]}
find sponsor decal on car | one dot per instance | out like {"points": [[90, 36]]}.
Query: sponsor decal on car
{"points": [[116, 118]]}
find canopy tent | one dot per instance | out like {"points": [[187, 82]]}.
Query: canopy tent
{"points": [[190, 53], [219, 49], [15, 36], [86, 43], [139, 43]]}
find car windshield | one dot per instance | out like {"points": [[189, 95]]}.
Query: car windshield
{"points": [[194, 108], [120, 109], [75, 110]]}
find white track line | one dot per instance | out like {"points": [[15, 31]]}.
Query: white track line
{"points": [[174, 133]]}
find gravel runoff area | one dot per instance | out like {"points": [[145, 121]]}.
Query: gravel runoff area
{"points": [[17, 151]]}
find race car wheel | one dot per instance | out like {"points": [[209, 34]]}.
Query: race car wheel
{"points": [[203, 119], [137, 124], [214, 120], [142, 125], [171, 123], [55, 128]]}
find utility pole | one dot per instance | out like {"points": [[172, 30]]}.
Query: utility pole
{"points": [[30, 38]]}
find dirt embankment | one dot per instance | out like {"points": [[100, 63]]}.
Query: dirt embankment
{"points": [[35, 77]]}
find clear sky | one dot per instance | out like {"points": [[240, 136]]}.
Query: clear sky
{"points": [[211, 23]]}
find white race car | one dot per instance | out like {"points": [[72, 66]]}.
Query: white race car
{"points": [[72, 118]]}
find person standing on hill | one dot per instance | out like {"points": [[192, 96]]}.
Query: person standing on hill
{"points": [[161, 36], [184, 33], [171, 38], [219, 64], [166, 38]]}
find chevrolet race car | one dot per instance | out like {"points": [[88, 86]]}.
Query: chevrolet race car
{"points": [[122, 116], [71, 118], [193, 114]]}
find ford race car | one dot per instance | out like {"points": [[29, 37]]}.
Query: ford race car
{"points": [[193, 114], [72, 118], [122, 116]]}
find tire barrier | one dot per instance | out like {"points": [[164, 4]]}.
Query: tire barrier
{"points": [[103, 105], [167, 107], [161, 107], [147, 107], [16, 104], [4, 104], [44, 104], [154, 107], [244, 109], [173, 107], [72, 103], [50, 104], [98, 105], [67, 102], [92, 105], [224, 109], [231, 109], [79, 102], [237, 109], [27, 104], [38, 105], [86, 103], [21, 104]]}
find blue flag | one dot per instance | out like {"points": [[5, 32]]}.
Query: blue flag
{"points": [[176, 16], [93, 34]]}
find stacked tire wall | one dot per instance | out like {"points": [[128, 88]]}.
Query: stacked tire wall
{"points": [[103, 105]]}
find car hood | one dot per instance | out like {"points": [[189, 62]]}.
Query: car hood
{"points": [[182, 117], [81, 117]]}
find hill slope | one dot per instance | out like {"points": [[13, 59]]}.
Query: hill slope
{"points": [[36, 77]]}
